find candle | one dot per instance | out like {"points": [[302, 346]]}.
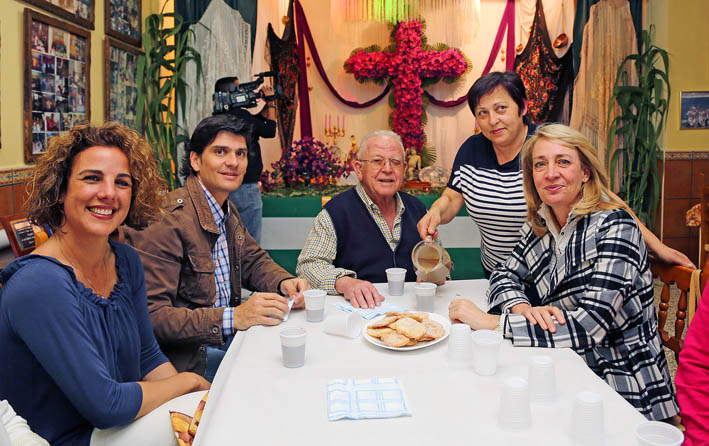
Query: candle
{"points": [[329, 121], [338, 122], [325, 122], [343, 122]]}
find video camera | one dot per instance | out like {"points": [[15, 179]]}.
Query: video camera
{"points": [[245, 94]]}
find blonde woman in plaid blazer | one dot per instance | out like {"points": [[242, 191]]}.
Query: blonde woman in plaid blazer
{"points": [[583, 254]]}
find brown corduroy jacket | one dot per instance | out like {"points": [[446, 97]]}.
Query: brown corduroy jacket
{"points": [[179, 274]]}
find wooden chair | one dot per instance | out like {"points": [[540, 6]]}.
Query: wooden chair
{"points": [[21, 234], [704, 232], [681, 277]]}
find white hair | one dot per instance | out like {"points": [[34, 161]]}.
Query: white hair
{"points": [[375, 133]]}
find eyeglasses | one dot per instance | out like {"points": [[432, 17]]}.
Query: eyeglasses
{"points": [[379, 162]]}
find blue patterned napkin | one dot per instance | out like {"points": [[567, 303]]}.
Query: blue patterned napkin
{"points": [[367, 313], [358, 399]]}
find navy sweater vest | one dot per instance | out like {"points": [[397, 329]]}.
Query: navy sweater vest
{"points": [[361, 246]]}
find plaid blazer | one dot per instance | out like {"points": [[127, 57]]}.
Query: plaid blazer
{"points": [[596, 270]]}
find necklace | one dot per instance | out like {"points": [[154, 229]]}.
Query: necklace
{"points": [[93, 287]]}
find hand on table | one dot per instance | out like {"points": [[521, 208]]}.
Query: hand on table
{"points": [[294, 288], [260, 309], [540, 315], [467, 312], [360, 293], [428, 224]]}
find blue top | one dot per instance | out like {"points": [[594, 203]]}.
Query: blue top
{"points": [[70, 360], [361, 246]]}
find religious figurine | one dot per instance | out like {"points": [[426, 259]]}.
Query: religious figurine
{"points": [[413, 164], [354, 148]]}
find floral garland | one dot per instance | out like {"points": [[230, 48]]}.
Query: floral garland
{"points": [[409, 64], [308, 162]]}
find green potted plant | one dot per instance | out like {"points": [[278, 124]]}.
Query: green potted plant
{"points": [[160, 88], [635, 132]]}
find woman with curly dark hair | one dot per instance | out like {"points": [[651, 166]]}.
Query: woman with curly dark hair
{"points": [[79, 351]]}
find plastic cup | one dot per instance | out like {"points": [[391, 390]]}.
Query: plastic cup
{"points": [[542, 379], [587, 419], [293, 346], [657, 433], [348, 325], [425, 295], [314, 305], [395, 280], [460, 343], [486, 346], [515, 414]]}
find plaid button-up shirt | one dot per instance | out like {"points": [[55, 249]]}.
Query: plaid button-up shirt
{"points": [[596, 270], [220, 256]]}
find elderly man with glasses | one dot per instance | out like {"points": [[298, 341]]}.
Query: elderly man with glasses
{"points": [[367, 229]]}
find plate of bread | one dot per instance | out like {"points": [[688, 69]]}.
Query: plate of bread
{"points": [[407, 331]]}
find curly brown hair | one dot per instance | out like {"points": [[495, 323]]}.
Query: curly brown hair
{"points": [[51, 174]]}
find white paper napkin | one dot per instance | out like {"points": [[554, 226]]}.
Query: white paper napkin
{"points": [[358, 399], [368, 313]]}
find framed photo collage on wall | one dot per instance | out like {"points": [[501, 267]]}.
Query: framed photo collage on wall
{"points": [[58, 67]]}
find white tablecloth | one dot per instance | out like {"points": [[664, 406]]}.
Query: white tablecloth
{"points": [[257, 401]]}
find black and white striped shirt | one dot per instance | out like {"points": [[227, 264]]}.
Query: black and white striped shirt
{"points": [[494, 197]]}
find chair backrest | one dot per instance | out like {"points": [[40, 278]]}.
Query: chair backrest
{"points": [[680, 276], [22, 235], [704, 226]]}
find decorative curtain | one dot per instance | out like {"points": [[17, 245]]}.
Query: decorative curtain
{"points": [[304, 35], [284, 59], [583, 9], [459, 20], [220, 58], [609, 36], [192, 10], [558, 15], [546, 77]]}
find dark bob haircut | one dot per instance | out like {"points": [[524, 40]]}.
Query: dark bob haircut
{"points": [[205, 133], [45, 203], [509, 80]]}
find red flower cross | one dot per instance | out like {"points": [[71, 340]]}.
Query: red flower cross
{"points": [[405, 67]]}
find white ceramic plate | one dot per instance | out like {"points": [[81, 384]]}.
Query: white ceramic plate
{"points": [[433, 316]]}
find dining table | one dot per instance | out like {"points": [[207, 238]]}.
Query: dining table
{"points": [[255, 400]]}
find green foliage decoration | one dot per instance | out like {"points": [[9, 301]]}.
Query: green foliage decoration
{"points": [[161, 88], [636, 131]]}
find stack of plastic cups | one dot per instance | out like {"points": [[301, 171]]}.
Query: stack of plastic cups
{"points": [[587, 424], [460, 343], [486, 347], [657, 433], [515, 414], [542, 386]]}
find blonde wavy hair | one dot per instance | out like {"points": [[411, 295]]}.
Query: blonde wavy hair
{"points": [[51, 174], [595, 193]]}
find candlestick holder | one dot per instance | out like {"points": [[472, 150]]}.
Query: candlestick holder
{"points": [[334, 132]]}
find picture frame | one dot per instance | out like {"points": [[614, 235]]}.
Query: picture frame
{"points": [[120, 81], [80, 12], [57, 79], [694, 110], [122, 20]]}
